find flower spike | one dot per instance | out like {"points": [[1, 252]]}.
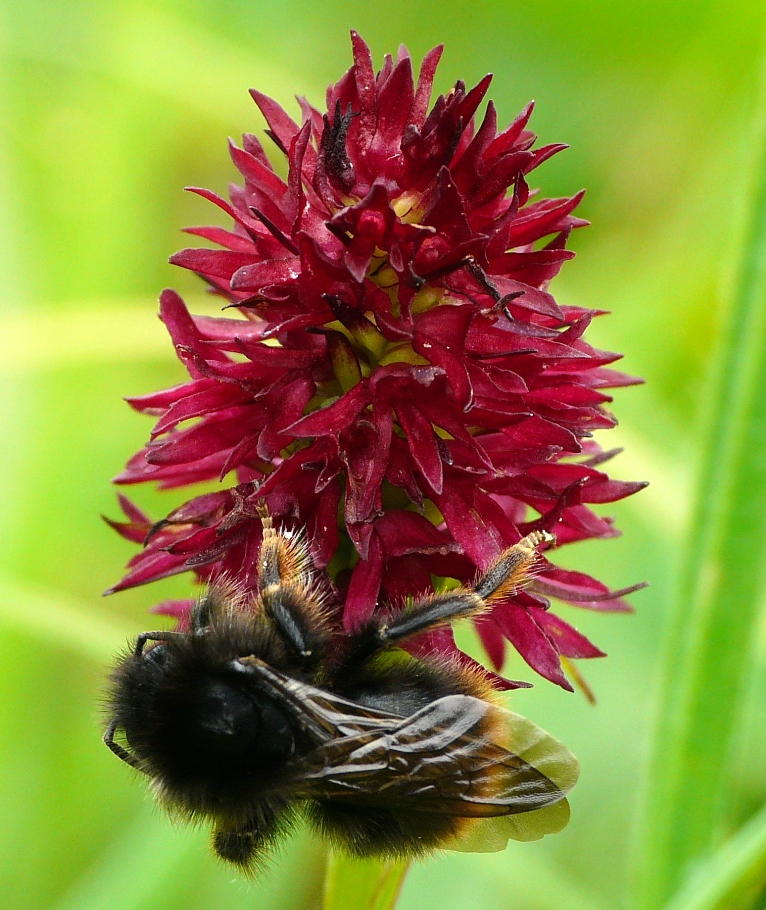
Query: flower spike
{"points": [[399, 386]]}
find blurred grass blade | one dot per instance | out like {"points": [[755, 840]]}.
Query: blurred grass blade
{"points": [[140, 869], [369, 884], [734, 878], [719, 582], [58, 621], [151, 866]]}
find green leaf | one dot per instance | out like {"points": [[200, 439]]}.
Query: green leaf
{"points": [[708, 648], [368, 884]]}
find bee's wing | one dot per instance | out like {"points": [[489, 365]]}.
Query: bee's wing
{"points": [[324, 716], [449, 758]]}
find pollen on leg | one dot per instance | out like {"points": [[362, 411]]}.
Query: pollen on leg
{"points": [[284, 554], [512, 569]]}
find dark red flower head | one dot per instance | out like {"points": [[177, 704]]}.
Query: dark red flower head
{"points": [[396, 376]]}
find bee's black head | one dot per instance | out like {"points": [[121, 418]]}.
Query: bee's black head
{"points": [[208, 734]]}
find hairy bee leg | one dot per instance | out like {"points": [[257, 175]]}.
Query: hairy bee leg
{"points": [[242, 844], [284, 609], [162, 635], [283, 557], [512, 569], [237, 847], [119, 750], [285, 587], [213, 602]]}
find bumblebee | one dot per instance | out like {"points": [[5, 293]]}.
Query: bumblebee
{"points": [[261, 712]]}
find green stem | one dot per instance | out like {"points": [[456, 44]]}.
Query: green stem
{"points": [[734, 877], [720, 578], [369, 884]]}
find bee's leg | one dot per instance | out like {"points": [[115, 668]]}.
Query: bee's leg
{"points": [[287, 588], [284, 555], [512, 569], [162, 635], [119, 750], [236, 845], [243, 843]]}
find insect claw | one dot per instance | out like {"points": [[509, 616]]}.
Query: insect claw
{"points": [[263, 512], [536, 538]]}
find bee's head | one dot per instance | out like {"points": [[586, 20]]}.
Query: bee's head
{"points": [[208, 735]]}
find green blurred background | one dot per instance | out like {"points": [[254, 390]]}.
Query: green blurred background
{"points": [[108, 110]]}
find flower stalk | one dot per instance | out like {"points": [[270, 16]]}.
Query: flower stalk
{"points": [[368, 884]]}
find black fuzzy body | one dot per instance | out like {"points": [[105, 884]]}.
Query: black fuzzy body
{"points": [[265, 707], [218, 747]]}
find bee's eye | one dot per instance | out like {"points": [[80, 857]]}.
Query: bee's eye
{"points": [[157, 655]]}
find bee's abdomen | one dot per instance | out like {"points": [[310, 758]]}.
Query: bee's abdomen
{"points": [[407, 685]]}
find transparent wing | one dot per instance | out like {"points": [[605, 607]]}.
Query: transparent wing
{"points": [[457, 756], [448, 758], [550, 757], [323, 715]]}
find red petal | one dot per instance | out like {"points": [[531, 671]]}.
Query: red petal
{"points": [[493, 640], [405, 532], [583, 590], [569, 641], [529, 639], [218, 263], [150, 566], [282, 126], [394, 107], [243, 218], [507, 139], [425, 83], [454, 366], [422, 444], [467, 527], [336, 417], [132, 511], [254, 276], [257, 172], [229, 239], [363, 588], [404, 577]]}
